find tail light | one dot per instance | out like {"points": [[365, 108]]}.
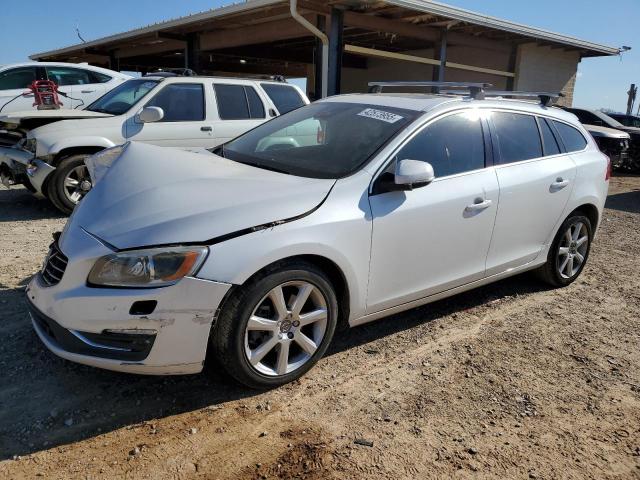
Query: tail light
{"points": [[608, 174]]}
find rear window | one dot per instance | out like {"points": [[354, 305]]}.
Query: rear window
{"points": [[98, 77], [285, 98], [518, 136], [573, 140]]}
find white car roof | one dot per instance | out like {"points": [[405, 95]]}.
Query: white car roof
{"points": [[198, 78], [106, 71], [428, 102]]}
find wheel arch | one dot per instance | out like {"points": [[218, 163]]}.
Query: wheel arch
{"points": [[590, 211], [329, 267], [67, 152]]}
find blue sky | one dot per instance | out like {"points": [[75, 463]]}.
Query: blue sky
{"points": [[602, 82]]}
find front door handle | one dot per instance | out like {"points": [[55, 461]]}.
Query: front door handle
{"points": [[87, 91], [478, 205], [206, 129], [559, 184]]}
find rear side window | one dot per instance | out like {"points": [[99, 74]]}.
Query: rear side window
{"points": [[181, 102], [285, 98], [573, 140], [518, 137], [17, 78], [548, 138], [256, 108], [64, 76], [452, 145], [238, 102]]}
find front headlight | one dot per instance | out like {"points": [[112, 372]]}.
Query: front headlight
{"points": [[154, 267], [30, 145]]}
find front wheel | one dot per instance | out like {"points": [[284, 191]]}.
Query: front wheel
{"points": [[69, 183], [569, 251], [276, 327]]}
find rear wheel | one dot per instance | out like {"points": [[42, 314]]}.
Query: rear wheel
{"points": [[569, 252], [276, 327], [69, 183]]}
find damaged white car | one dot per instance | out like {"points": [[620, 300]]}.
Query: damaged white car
{"points": [[188, 112], [253, 254]]}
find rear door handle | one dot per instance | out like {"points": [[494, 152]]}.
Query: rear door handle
{"points": [[206, 129], [478, 205], [559, 184], [87, 91]]}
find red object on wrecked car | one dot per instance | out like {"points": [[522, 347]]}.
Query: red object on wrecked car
{"points": [[45, 94]]}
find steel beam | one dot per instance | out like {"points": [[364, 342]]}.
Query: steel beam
{"points": [[336, 48]]}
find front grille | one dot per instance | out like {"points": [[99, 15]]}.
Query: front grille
{"points": [[54, 266]]}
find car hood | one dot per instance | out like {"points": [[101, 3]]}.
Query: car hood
{"points": [[16, 118], [598, 131], [156, 196], [631, 130]]}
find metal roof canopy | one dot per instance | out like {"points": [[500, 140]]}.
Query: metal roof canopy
{"points": [[261, 37]]}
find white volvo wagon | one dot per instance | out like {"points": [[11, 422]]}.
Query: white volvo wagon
{"points": [[255, 253]]}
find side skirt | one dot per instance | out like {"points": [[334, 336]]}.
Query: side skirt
{"points": [[447, 293]]}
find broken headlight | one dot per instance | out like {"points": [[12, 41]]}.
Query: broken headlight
{"points": [[154, 267], [30, 145], [99, 163]]}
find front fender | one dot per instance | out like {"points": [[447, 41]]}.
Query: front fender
{"points": [[339, 231], [78, 142]]}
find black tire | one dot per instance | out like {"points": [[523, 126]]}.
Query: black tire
{"points": [[550, 272], [55, 189], [227, 340]]}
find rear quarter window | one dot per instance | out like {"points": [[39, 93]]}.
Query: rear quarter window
{"points": [[573, 140]]}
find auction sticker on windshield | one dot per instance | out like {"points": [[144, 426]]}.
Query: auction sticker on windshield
{"points": [[380, 115]]}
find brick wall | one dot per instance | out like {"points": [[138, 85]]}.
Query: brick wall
{"points": [[547, 69], [537, 69]]}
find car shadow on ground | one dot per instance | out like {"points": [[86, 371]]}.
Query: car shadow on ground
{"points": [[18, 204], [624, 202], [46, 401]]}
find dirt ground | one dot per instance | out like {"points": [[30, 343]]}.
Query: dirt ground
{"points": [[508, 381]]}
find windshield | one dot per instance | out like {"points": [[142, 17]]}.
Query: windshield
{"points": [[322, 140], [123, 97]]}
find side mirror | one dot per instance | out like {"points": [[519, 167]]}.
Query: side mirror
{"points": [[411, 174], [151, 114]]}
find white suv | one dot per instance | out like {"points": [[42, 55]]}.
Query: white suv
{"points": [[254, 254], [174, 111]]}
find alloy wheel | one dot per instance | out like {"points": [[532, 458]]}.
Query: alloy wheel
{"points": [[286, 328], [572, 250], [77, 183]]}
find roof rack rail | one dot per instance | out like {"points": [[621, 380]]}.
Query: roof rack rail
{"points": [[546, 98], [476, 90], [172, 72]]}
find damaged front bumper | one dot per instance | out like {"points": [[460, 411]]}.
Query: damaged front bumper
{"points": [[19, 166], [103, 327]]}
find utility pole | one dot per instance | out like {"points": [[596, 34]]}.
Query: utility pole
{"points": [[633, 91]]}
